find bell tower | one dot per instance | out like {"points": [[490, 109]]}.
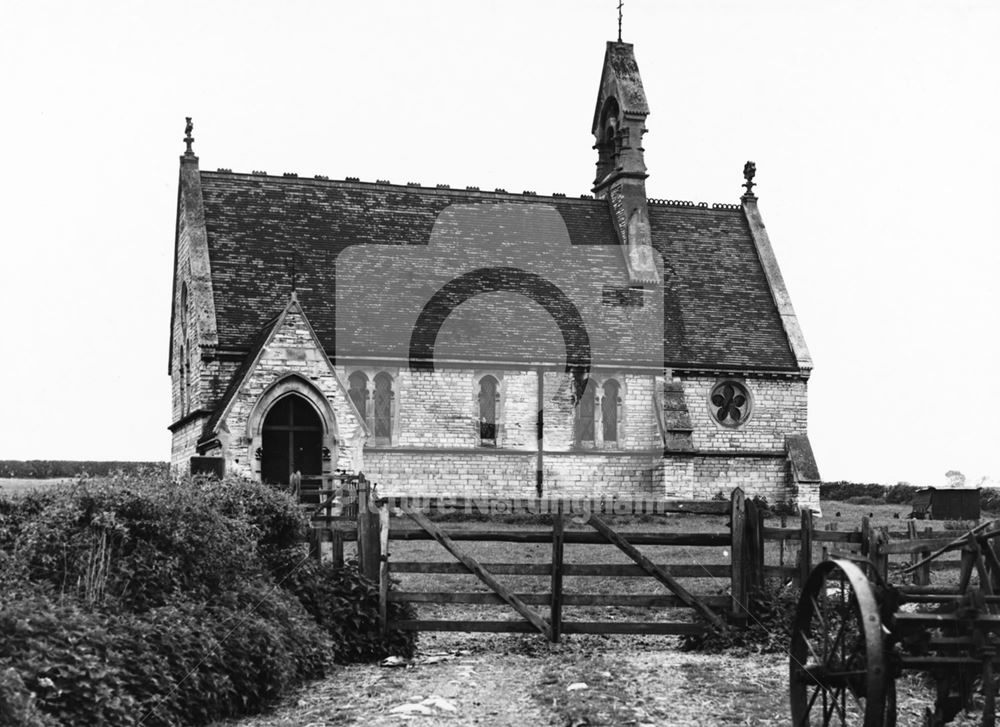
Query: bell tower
{"points": [[619, 124]]}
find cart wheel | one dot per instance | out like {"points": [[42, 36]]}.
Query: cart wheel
{"points": [[837, 666]]}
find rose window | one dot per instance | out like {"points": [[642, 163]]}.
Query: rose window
{"points": [[730, 403]]}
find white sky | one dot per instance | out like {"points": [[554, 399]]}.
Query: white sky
{"points": [[875, 128]]}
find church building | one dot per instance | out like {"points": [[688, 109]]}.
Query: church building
{"points": [[458, 341]]}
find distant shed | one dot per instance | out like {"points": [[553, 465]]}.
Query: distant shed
{"points": [[951, 504]]}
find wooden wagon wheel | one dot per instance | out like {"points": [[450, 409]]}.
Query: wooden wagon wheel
{"points": [[838, 670]]}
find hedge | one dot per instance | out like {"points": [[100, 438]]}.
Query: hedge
{"points": [[141, 600]]}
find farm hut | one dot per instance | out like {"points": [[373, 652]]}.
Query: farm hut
{"points": [[931, 503]]}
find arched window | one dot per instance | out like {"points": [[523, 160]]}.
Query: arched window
{"points": [[382, 408], [358, 391], [183, 388], [585, 415], [610, 405], [489, 399], [184, 312], [292, 440]]}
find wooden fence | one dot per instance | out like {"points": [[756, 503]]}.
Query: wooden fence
{"points": [[876, 545], [370, 526], [345, 511]]}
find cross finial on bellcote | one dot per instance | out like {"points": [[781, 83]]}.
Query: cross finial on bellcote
{"points": [[188, 139], [620, 3]]}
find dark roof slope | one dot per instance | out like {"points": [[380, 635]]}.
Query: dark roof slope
{"points": [[717, 308], [720, 311]]}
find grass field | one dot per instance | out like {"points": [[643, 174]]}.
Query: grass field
{"points": [[17, 485]]}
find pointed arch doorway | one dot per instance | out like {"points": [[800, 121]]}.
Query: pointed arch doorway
{"points": [[292, 439]]}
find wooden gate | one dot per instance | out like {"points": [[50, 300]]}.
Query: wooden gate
{"points": [[543, 612]]}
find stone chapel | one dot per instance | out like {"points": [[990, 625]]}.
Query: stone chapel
{"points": [[465, 342]]}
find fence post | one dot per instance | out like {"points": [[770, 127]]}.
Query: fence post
{"points": [[755, 547], [315, 549], [337, 554], [805, 546], [369, 557], [866, 537], [880, 557], [383, 573], [555, 614], [926, 568], [781, 545], [738, 571]]}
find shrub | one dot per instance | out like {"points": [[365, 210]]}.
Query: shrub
{"points": [[275, 515], [160, 603], [782, 507], [15, 512], [844, 490], [17, 703], [183, 664], [989, 499], [142, 542], [900, 494], [346, 606], [768, 631]]}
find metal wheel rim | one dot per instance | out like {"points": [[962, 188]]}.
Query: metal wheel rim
{"points": [[824, 688]]}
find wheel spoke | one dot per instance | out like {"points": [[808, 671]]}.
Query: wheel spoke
{"points": [[809, 705], [839, 639], [835, 705], [812, 649], [819, 611], [854, 696]]}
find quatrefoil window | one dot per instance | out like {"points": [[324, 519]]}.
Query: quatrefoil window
{"points": [[730, 403]]}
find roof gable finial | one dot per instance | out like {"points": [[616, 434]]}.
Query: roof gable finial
{"points": [[620, 3], [749, 170], [188, 139]]}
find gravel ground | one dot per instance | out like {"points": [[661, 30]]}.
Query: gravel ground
{"points": [[503, 679], [517, 680]]}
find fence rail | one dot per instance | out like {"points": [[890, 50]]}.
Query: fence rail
{"points": [[345, 511]]}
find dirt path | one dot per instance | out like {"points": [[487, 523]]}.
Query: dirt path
{"points": [[518, 680]]}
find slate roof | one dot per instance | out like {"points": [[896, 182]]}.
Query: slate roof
{"points": [[717, 310]]}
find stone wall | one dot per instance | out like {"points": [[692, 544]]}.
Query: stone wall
{"points": [[293, 361], [779, 409], [440, 409], [478, 473], [182, 446], [452, 473], [702, 477], [438, 448], [435, 447]]}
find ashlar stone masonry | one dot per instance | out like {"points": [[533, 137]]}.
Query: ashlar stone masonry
{"points": [[469, 343]]}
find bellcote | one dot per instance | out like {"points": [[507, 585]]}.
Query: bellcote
{"points": [[619, 118], [618, 127]]}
